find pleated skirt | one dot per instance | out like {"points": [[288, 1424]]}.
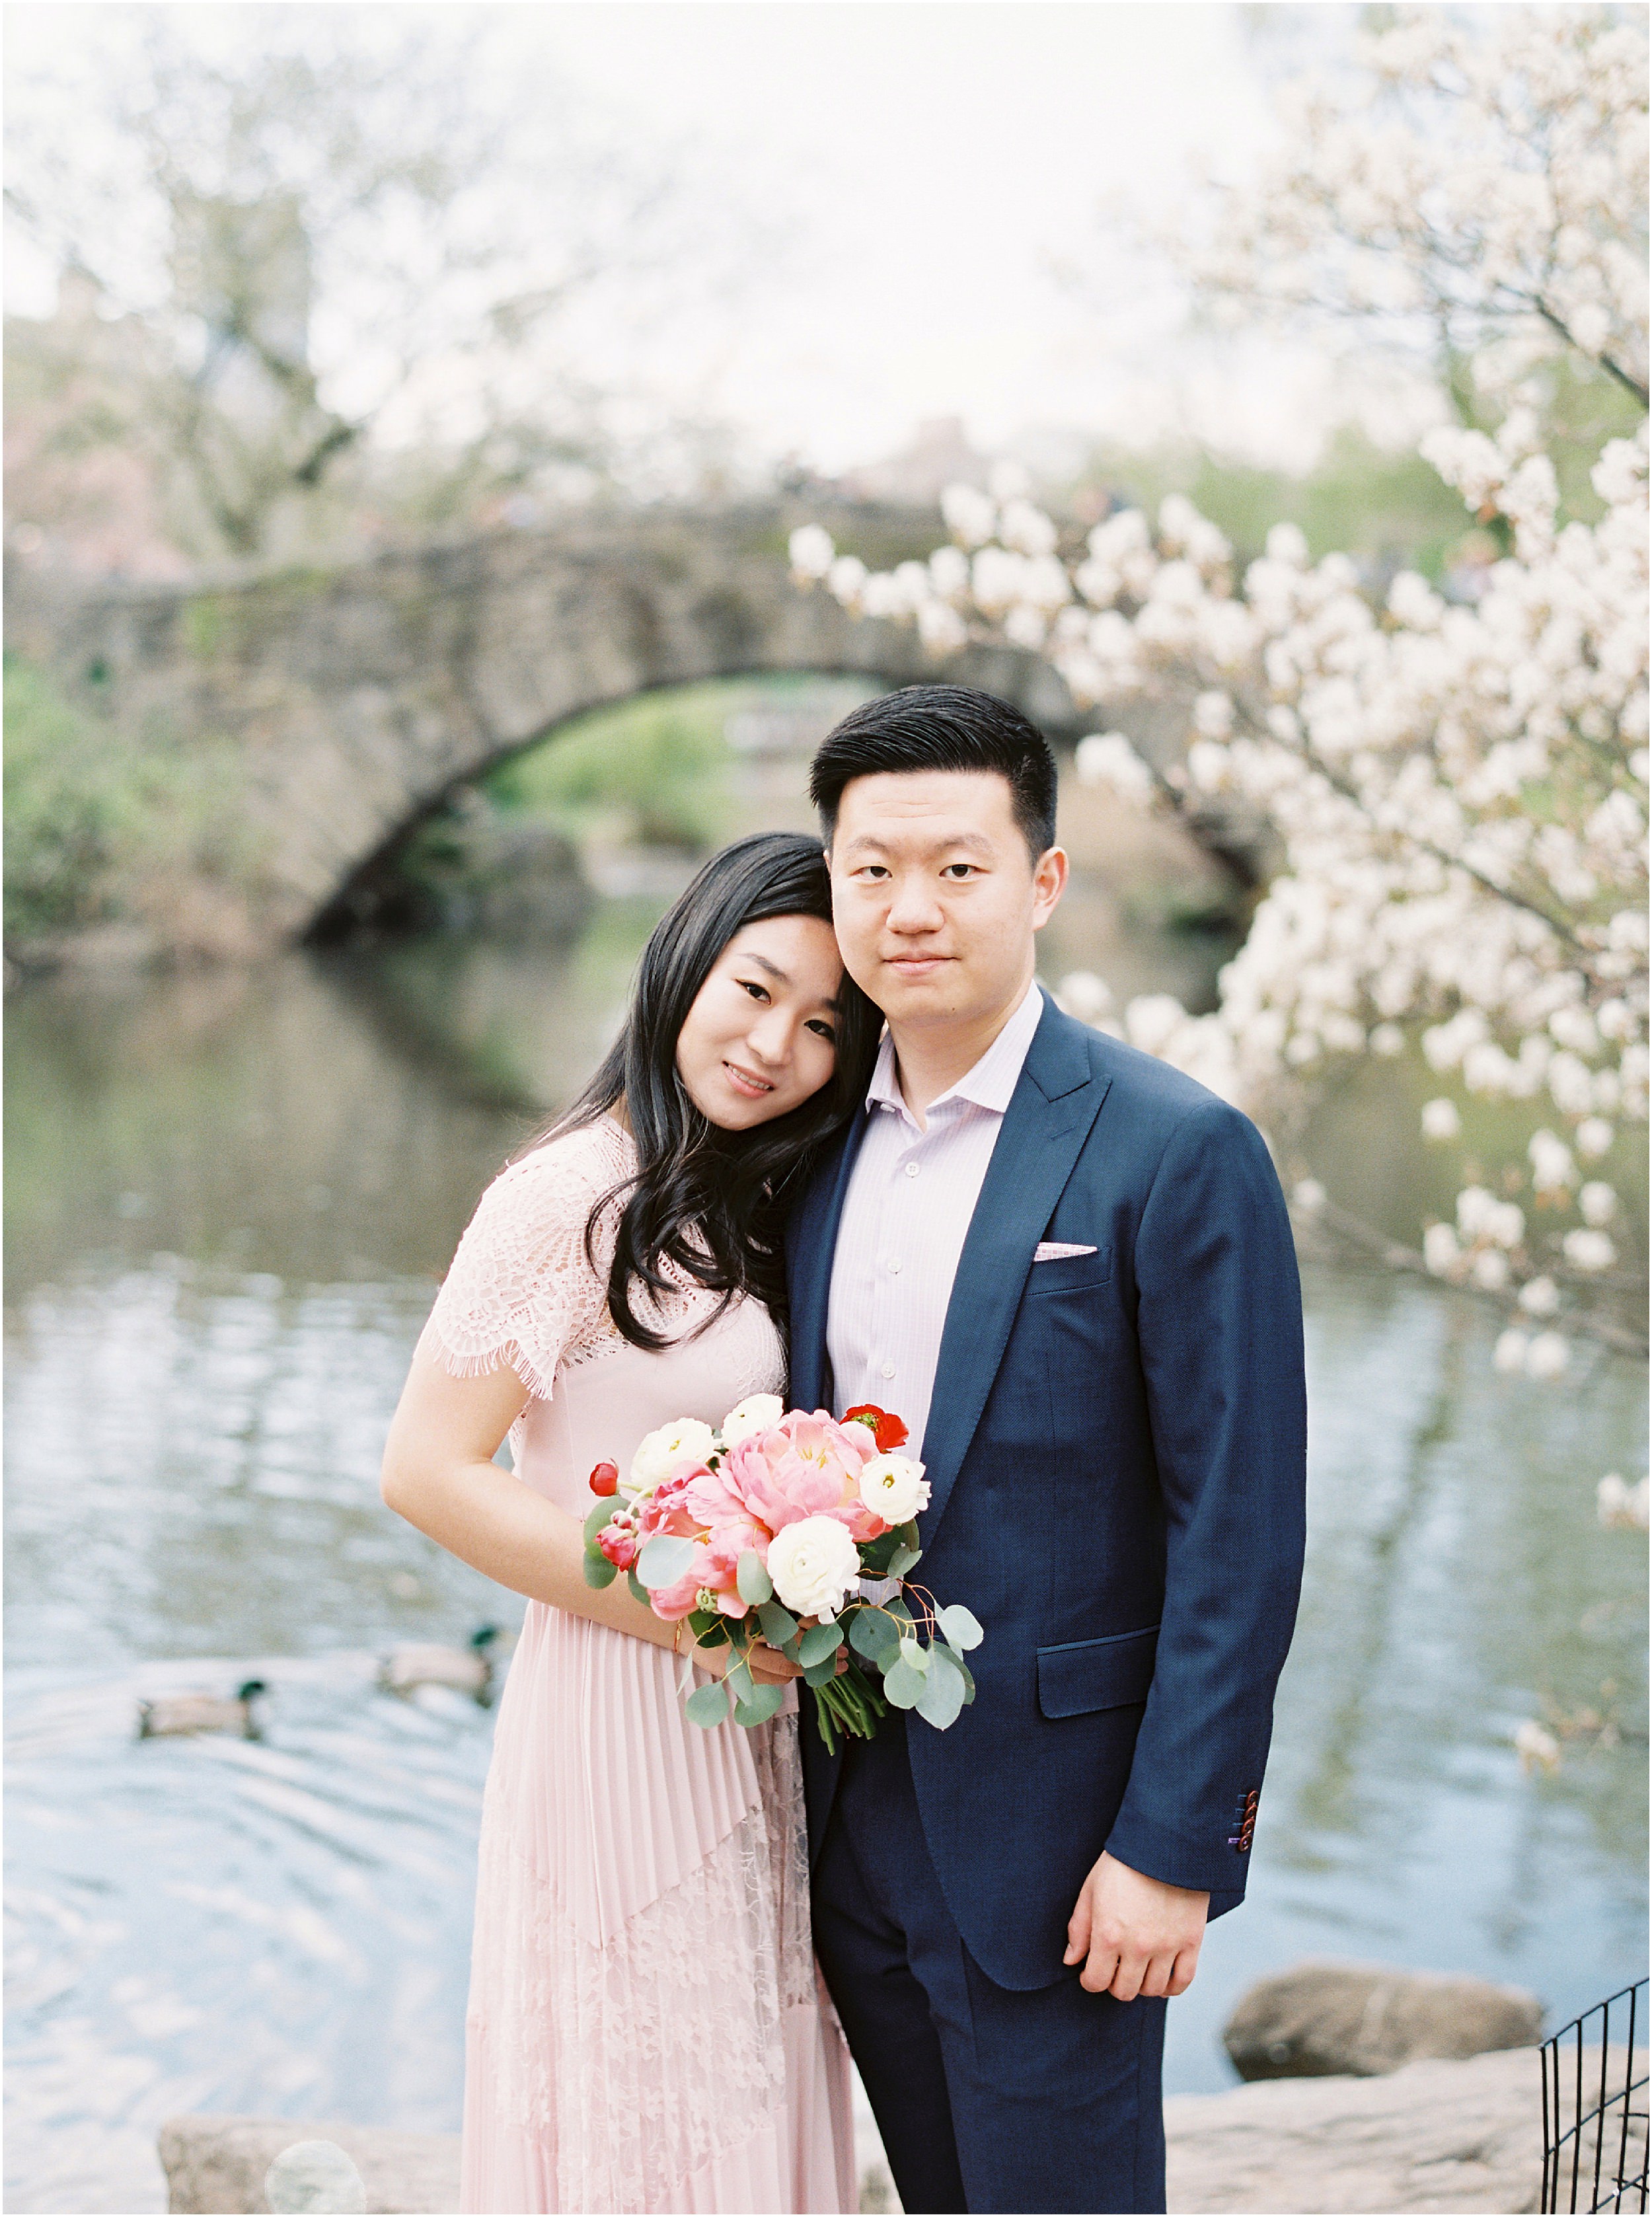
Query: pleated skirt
{"points": [[646, 2029]]}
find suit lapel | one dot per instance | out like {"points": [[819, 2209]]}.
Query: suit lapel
{"points": [[811, 1244], [1049, 1118]]}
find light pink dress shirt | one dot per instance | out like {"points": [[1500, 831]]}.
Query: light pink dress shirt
{"points": [[911, 1194]]}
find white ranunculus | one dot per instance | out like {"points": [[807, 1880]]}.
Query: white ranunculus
{"points": [[683, 1440], [894, 1487], [758, 1412], [814, 1564]]}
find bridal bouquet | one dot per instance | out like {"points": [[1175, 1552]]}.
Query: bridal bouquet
{"points": [[765, 1527]]}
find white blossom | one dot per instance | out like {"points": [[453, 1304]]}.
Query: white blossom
{"points": [[1459, 788], [1596, 1203], [1589, 1250], [971, 516], [1548, 1356], [1620, 1506], [1108, 758], [1087, 997], [811, 552], [1538, 1748], [1553, 1170], [1440, 1250]]}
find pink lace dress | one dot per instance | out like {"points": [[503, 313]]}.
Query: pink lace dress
{"points": [[646, 2031]]}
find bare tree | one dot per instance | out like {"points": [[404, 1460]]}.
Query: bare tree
{"points": [[353, 239]]}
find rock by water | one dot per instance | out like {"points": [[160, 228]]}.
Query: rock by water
{"points": [[1327, 2019]]}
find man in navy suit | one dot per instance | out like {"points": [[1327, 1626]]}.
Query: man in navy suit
{"points": [[1071, 1269]]}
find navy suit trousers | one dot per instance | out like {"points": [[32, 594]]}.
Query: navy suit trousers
{"points": [[987, 2099]]}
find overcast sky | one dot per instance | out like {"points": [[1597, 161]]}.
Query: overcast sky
{"points": [[934, 162]]}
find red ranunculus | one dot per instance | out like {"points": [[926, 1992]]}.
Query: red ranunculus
{"points": [[619, 1546], [604, 1478], [887, 1427]]}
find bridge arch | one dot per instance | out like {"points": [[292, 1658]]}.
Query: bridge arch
{"points": [[352, 703]]}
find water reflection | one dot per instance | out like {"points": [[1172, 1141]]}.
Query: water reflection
{"points": [[231, 1198]]}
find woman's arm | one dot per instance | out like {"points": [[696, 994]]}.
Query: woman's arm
{"points": [[439, 1473]]}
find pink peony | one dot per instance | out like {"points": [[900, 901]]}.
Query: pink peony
{"points": [[670, 1507], [713, 1570], [805, 1465]]}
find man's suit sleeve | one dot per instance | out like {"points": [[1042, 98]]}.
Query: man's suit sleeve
{"points": [[1219, 1326]]}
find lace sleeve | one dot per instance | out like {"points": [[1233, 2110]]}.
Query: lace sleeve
{"points": [[521, 1290]]}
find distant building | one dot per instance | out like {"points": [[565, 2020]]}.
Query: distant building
{"points": [[84, 488], [940, 455]]}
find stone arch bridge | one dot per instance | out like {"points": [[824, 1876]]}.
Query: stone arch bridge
{"points": [[345, 705]]}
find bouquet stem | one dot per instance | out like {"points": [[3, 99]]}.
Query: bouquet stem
{"points": [[849, 1701]]}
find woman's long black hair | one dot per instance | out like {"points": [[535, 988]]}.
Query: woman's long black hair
{"points": [[708, 1201]]}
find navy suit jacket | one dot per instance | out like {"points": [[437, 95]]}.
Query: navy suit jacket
{"points": [[1116, 1456]]}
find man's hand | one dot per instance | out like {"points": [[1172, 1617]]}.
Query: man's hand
{"points": [[1141, 1936], [768, 1666]]}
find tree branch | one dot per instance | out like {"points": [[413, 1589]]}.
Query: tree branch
{"points": [[1370, 1241], [1612, 368]]}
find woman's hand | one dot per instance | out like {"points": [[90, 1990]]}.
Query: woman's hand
{"points": [[768, 1666]]}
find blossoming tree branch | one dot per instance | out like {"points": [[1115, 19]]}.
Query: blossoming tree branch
{"points": [[1459, 788]]}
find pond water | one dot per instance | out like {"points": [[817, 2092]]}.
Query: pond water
{"points": [[231, 1198]]}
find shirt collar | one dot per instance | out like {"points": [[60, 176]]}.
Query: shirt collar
{"points": [[988, 1084]]}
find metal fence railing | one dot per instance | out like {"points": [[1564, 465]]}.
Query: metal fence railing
{"points": [[1594, 2108]]}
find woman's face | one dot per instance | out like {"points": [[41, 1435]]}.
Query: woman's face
{"points": [[762, 1035]]}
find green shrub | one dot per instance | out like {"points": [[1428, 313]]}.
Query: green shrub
{"points": [[95, 820], [659, 764]]}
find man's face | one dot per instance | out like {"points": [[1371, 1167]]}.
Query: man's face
{"points": [[935, 897]]}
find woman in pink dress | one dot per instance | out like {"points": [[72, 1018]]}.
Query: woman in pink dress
{"points": [[645, 2031]]}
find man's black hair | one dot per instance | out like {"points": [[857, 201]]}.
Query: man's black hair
{"points": [[924, 727]]}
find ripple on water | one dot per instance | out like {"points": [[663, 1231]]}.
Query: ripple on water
{"points": [[279, 1926]]}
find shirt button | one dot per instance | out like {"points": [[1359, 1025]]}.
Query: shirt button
{"points": [[894, 1266], [911, 1170], [888, 1370]]}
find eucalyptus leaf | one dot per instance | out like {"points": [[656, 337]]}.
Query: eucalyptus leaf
{"points": [[904, 1560], [820, 1641], [639, 1590], [780, 1626], [739, 1680], [599, 1571], [707, 1705], [941, 1699], [903, 1685], [872, 1634], [764, 1703], [915, 1656], [664, 1559], [954, 1662], [875, 1553], [596, 1519], [752, 1580], [961, 1626], [821, 1673]]}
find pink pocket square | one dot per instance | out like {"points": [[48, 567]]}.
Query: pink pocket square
{"points": [[1052, 1251]]}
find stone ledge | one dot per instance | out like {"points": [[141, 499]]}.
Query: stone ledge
{"points": [[215, 2165], [1435, 2136]]}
